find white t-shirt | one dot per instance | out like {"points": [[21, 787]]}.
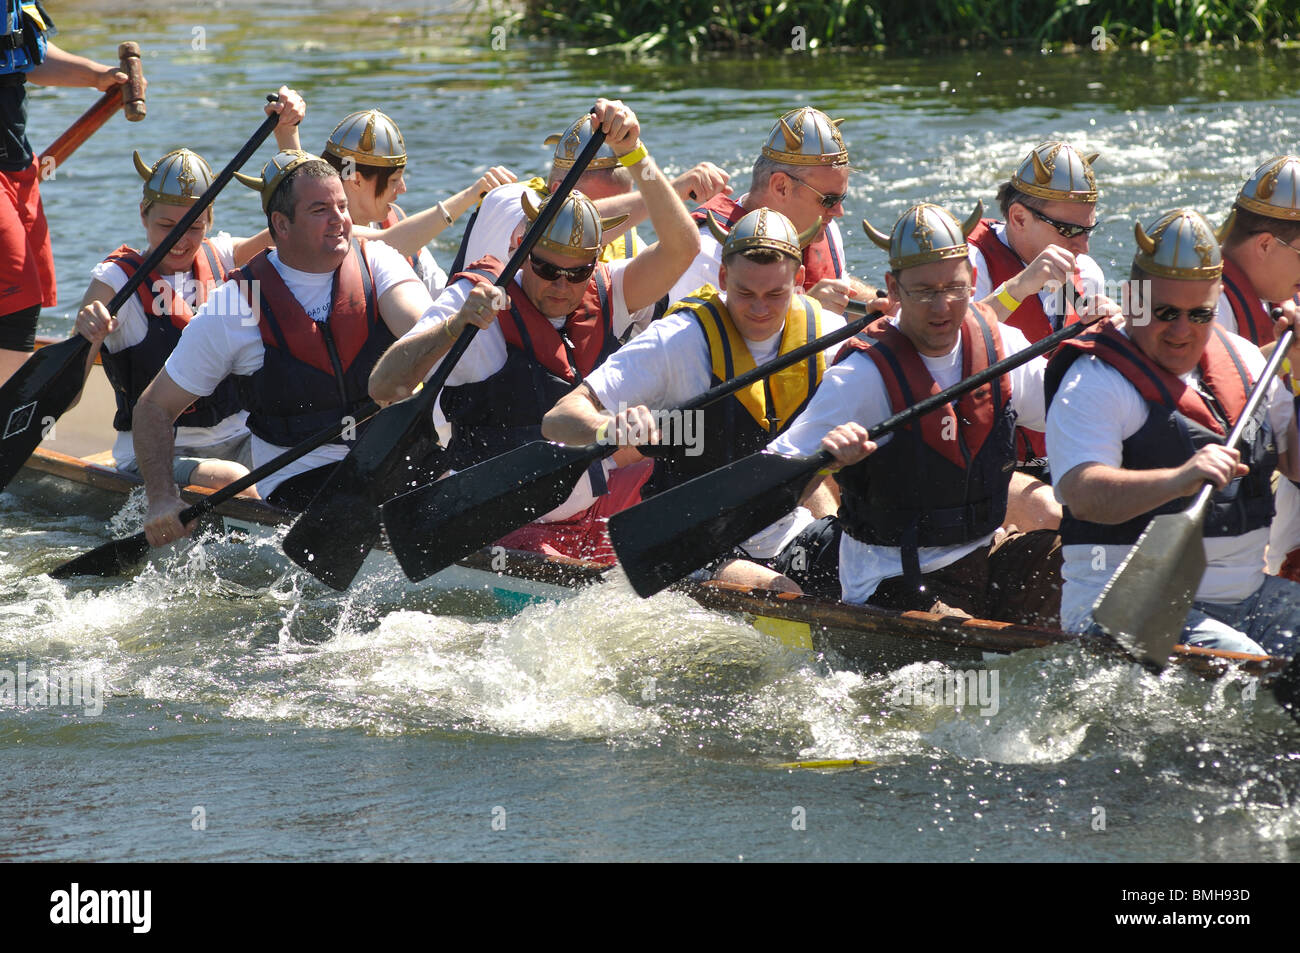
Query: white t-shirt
{"points": [[1090, 275], [854, 391], [487, 353], [704, 269], [499, 215], [1094, 411], [224, 339], [427, 268], [667, 365], [133, 324]]}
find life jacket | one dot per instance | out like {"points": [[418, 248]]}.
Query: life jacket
{"points": [[166, 315], [1180, 420], [1253, 322], [23, 36], [1030, 318], [505, 411], [750, 419], [942, 480], [819, 259], [313, 373]]}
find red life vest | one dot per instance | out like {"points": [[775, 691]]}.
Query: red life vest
{"points": [[942, 480], [819, 259], [1180, 420], [890, 349], [1253, 322], [166, 315], [311, 370], [206, 271], [505, 411]]}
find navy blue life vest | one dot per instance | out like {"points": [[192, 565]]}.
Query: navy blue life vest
{"points": [[943, 480], [748, 421], [1180, 420], [166, 315], [313, 372], [493, 416]]}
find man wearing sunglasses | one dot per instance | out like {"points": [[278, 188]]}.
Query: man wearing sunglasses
{"points": [[564, 314], [1138, 412], [803, 173], [921, 513], [708, 338]]}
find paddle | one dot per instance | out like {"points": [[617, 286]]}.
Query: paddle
{"points": [[676, 532], [128, 97], [1144, 605], [119, 555], [432, 527], [43, 388], [342, 524]]}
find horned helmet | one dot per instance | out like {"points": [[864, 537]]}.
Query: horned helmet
{"points": [[1058, 172], [178, 178], [577, 229], [368, 138], [923, 234], [570, 145], [1181, 244], [1273, 190], [806, 136], [763, 228], [274, 172]]}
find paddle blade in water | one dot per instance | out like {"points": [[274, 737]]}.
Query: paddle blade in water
{"points": [[112, 559], [1144, 606], [34, 397], [671, 535], [333, 535], [432, 527]]}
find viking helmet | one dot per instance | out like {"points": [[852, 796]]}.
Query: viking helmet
{"points": [[1180, 244], [576, 229], [1273, 190], [178, 178], [763, 228], [273, 173], [924, 233], [368, 138], [571, 144], [1058, 172], [807, 136]]}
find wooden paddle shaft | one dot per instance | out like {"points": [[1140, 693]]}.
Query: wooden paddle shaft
{"points": [[132, 92]]}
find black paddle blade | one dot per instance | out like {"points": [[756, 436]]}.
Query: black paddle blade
{"points": [[112, 559], [34, 397], [341, 524], [671, 535], [432, 527], [1144, 606], [1286, 688], [335, 533]]}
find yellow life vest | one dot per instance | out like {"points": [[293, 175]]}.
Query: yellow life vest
{"points": [[729, 356]]}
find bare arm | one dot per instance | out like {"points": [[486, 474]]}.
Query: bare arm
{"points": [[698, 184], [155, 413], [415, 231], [408, 362], [62, 68], [94, 323], [1110, 495]]}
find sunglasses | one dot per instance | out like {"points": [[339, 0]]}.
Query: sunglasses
{"points": [[549, 272], [1064, 229], [1195, 316], [827, 201]]}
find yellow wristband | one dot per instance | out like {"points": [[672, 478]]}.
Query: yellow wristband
{"points": [[1005, 298], [633, 157], [446, 326], [602, 430]]}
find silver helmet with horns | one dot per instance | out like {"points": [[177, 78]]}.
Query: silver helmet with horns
{"points": [[577, 229], [1180, 244], [368, 138], [806, 136], [178, 178], [1058, 172], [923, 234], [1273, 190], [763, 228]]}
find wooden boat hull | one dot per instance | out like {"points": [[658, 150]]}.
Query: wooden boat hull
{"points": [[66, 476]]}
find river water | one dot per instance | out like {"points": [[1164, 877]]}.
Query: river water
{"points": [[253, 714]]}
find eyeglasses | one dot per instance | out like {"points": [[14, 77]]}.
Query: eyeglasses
{"points": [[827, 201], [1064, 229], [948, 295], [1282, 241], [1195, 315], [551, 272]]}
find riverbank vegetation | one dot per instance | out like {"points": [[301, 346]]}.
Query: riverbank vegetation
{"points": [[643, 25]]}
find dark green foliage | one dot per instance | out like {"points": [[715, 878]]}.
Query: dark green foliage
{"points": [[643, 25]]}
